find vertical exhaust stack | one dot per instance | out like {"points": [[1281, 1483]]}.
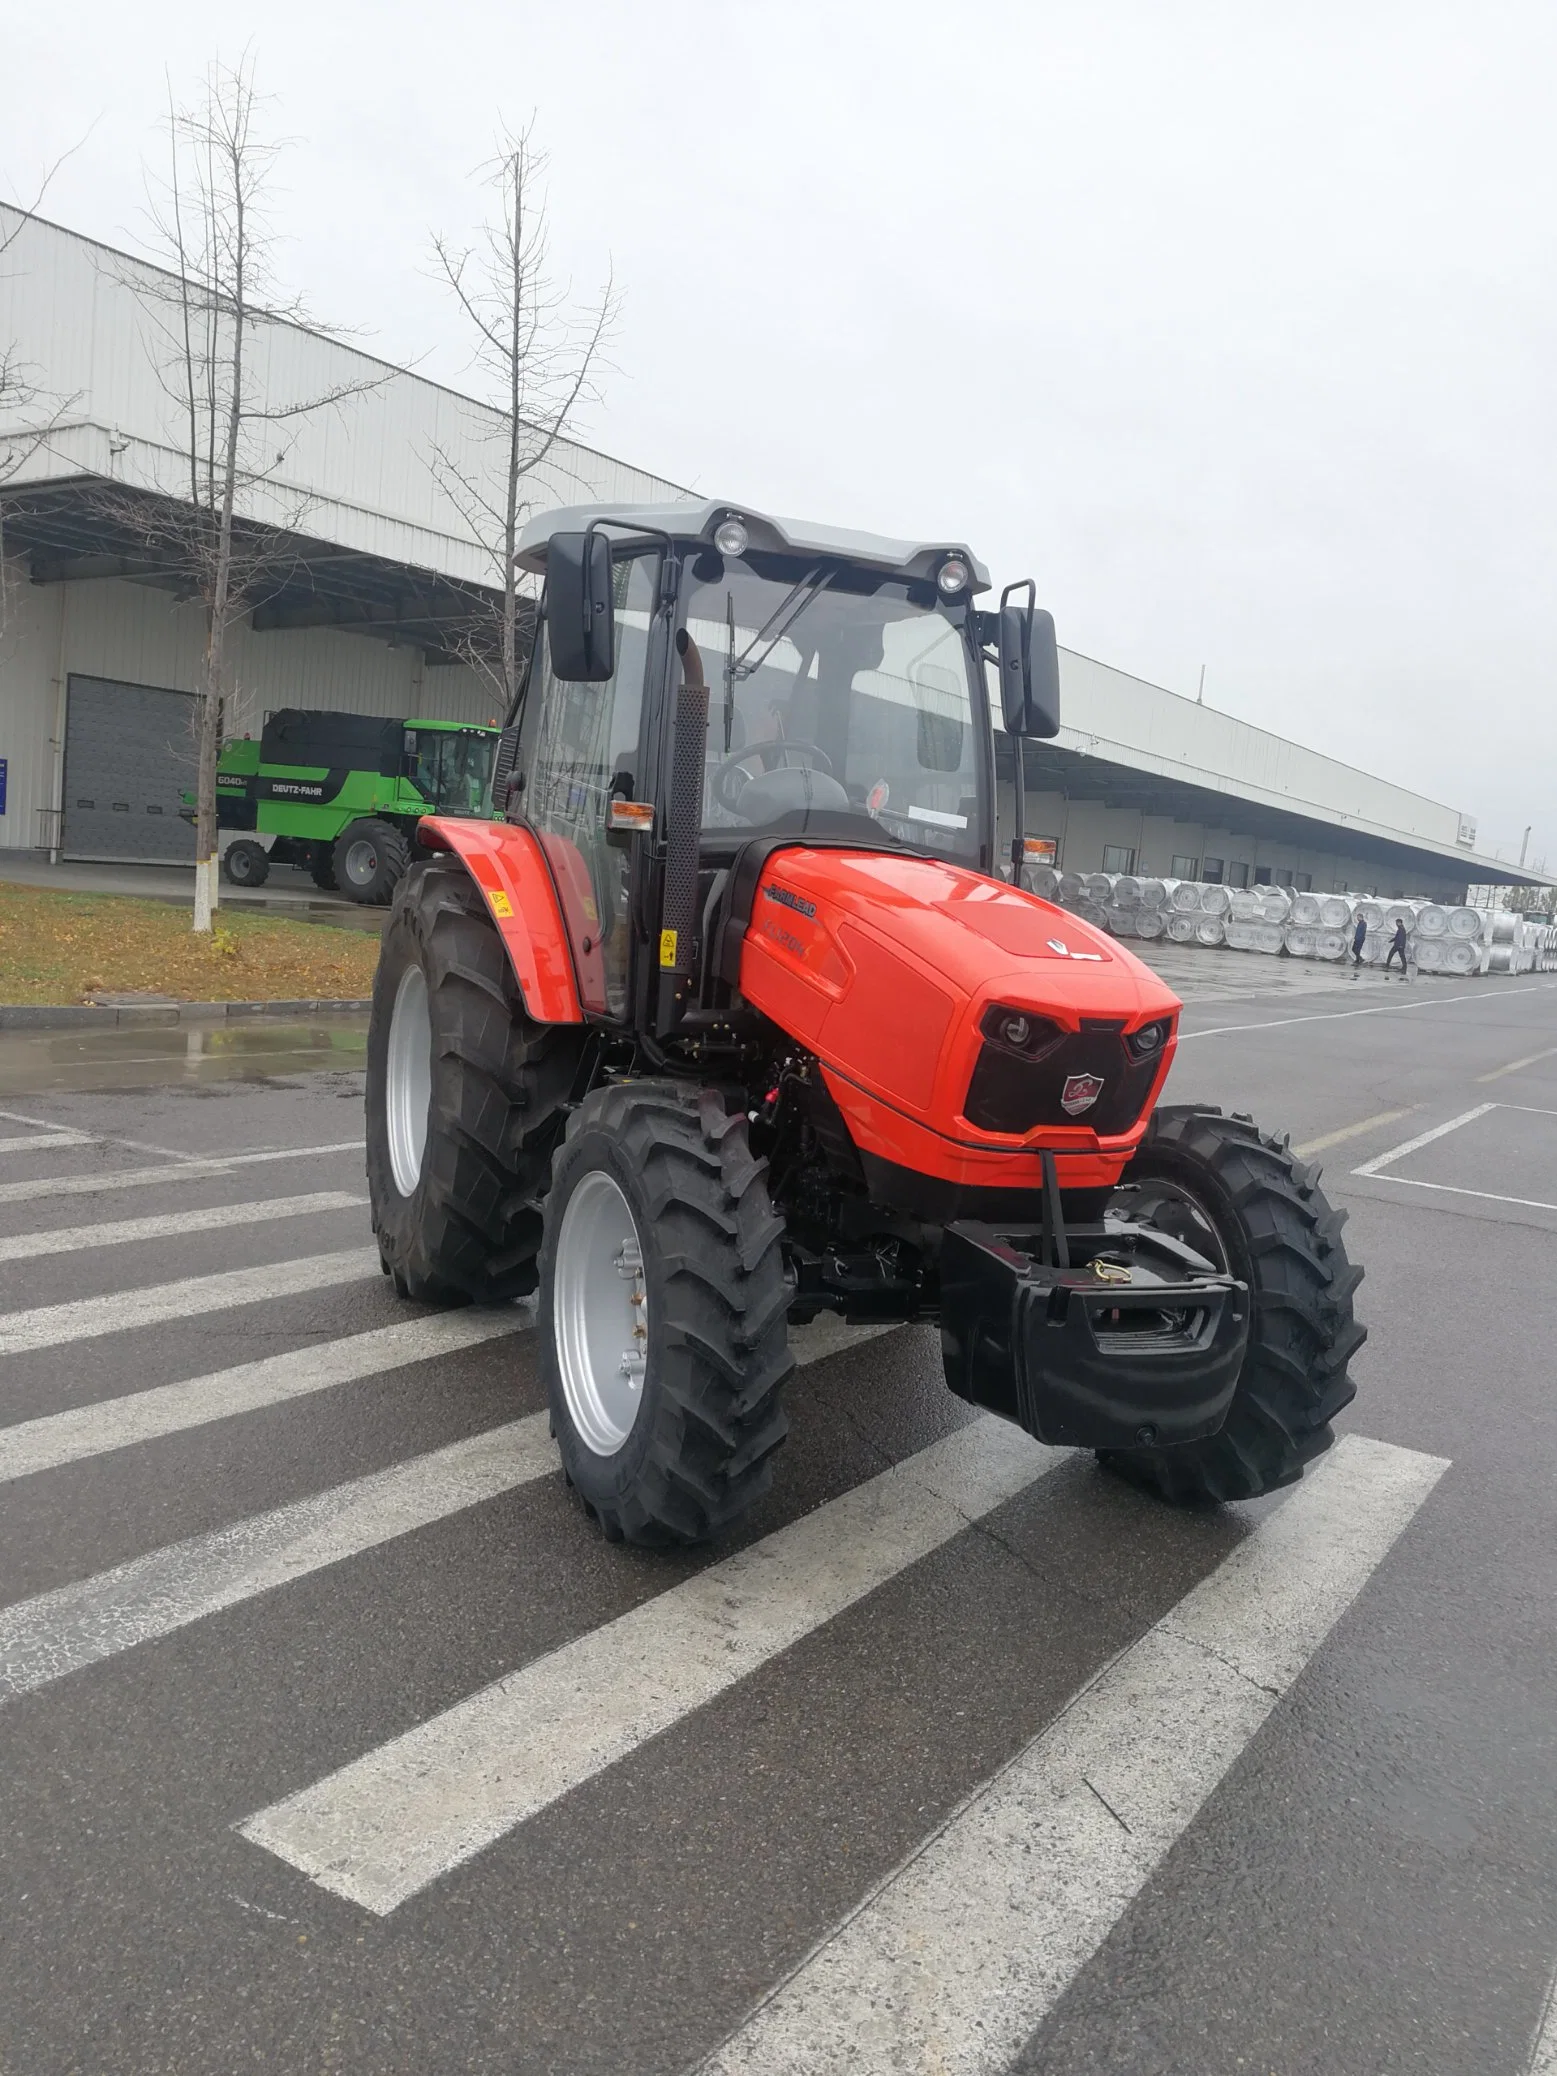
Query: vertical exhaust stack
{"points": [[683, 824]]}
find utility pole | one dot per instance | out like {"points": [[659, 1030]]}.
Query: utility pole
{"points": [[1200, 696], [1526, 844]]}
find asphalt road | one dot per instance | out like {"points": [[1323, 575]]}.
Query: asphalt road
{"points": [[332, 1738]]}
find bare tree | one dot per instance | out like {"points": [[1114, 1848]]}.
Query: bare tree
{"points": [[540, 359], [218, 295]]}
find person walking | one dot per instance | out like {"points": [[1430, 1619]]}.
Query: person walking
{"points": [[1397, 948], [1359, 939]]}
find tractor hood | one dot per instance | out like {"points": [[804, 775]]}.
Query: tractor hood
{"points": [[886, 966]]}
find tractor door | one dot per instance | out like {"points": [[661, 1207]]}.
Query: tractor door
{"points": [[580, 746]]}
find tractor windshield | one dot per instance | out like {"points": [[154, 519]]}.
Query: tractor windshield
{"points": [[835, 691]]}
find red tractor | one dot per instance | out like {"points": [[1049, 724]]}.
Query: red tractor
{"points": [[731, 1015]]}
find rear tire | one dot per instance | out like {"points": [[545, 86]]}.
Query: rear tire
{"points": [[245, 863], [1279, 1234], [453, 1057], [665, 1173], [369, 861], [321, 868]]}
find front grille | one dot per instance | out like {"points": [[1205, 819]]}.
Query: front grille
{"points": [[1011, 1094]]}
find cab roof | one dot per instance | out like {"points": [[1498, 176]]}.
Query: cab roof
{"points": [[696, 520]]}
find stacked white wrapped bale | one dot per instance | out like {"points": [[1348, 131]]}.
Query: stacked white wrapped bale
{"points": [[1306, 911], [1466, 924], [1150, 923], [1181, 927], [1210, 929], [1042, 880], [1300, 939], [1099, 887], [1187, 897], [1215, 899], [1335, 912], [1331, 944], [1121, 920], [1154, 893], [1072, 887], [1252, 933], [1275, 904]]}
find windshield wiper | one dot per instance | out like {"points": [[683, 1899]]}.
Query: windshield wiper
{"points": [[773, 630]]}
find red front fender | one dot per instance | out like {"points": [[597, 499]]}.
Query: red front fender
{"points": [[508, 865]]}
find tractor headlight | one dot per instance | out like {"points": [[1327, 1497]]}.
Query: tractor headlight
{"points": [[953, 576], [1018, 1031], [731, 537], [1147, 1042]]}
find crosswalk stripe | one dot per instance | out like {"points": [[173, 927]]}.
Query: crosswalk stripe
{"points": [[118, 1311], [43, 1142], [146, 1178], [383, 1827], [53, 1439], [56, 1633], [957, 1957], [119, 1231], [1543, 2056]]}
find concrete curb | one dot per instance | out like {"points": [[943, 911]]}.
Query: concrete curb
{"points": [[81, 1017]]}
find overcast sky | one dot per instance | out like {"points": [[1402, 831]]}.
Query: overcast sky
{"points": [[1231, 324]]}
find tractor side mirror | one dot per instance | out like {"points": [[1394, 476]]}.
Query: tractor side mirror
{"points": [[1029, 666], [580, 615]]}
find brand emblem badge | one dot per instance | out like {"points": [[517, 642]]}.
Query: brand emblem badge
{"points": [[1058, 944], [1080, 1092]]}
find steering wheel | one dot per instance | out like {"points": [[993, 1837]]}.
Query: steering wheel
{"points": [[723, 779]]}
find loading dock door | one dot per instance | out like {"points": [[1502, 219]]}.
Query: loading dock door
{"points": [[129, 755]]}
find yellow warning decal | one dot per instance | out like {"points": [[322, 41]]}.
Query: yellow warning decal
{"points": [[668, 948], [501, 905]]}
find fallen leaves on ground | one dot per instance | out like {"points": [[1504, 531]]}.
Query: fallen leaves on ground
{"points": [[58, 948]]}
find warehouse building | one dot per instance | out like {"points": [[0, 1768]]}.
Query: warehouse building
{"points": [[371, 580]]}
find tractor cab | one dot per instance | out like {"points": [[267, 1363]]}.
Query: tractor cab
{"points": [[707, 683]]}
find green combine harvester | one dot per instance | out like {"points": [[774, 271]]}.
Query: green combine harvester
{"points": [[341, 795]]}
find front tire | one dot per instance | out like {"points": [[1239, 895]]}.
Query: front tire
{"points": [[245, 863], [664, 1313], [1246, 1202], [465, 1099], [369, 860]]}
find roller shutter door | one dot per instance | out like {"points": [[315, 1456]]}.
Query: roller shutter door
{"points": [[129, 756]]}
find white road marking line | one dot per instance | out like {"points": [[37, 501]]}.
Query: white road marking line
{"points": [[52, 1124], [45, 1142], [118, 1232], [1336, 1016], [119, 1311], [1514, 1066], [1543, 2056], [1398, 1153], [1352, 1131], [53, 1634], [136, 1178], [1487, 1196], [383, 1827], [954, 1960], [146, 1416]]}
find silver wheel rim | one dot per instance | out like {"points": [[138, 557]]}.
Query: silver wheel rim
{"points": [[361, 861], [600, 1312], [408, 1079]]}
